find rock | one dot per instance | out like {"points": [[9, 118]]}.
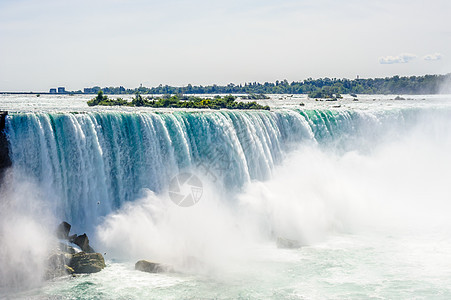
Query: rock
{"points": [[399, 98], [301, 104], [69, 270], [151, 267], [68, 248], [287, 243], [71, 238], [82, 241], [5, 160], [70, 259], [62, 232], [57, 265], [87, 262], [59, 258]]}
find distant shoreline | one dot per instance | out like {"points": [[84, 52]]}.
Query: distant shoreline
{"points": [[209, 94], [395, 85], [40, 93]]}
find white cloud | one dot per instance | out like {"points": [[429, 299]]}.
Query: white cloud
{"points": [[435, 56], [399, 59]]}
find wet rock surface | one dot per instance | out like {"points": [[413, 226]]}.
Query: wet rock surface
{"points": [[87, 262], [151, 267], [73, 255], [287, 243]]}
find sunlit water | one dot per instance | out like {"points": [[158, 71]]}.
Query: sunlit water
{"points": [[369, 200], [77, 103]]}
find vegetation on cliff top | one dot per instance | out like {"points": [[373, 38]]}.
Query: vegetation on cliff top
{"points": [[176, 101]]}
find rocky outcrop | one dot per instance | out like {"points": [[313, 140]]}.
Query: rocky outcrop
{"points": [[151, 267], [61, 263], [5, 160], [69, 259], [87, 262], [66, 248], [287, 243], [82, 241], [57, 265], [62, 232]]}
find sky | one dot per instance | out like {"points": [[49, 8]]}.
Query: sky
{"points": [[77, 44]]}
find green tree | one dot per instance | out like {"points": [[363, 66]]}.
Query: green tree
{"points": [[138, 100], [97, 100]]}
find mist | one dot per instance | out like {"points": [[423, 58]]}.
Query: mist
{"points": [[445, 87], [398, 187], [26, 234]]}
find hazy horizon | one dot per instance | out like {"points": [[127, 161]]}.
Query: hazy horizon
{"points": [[52, 43], [444, 90]]}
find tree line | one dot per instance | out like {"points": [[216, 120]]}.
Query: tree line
{"points": [[427, 84]]}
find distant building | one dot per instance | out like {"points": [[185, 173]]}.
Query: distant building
{"points": [[61, 90], [52, 91]]}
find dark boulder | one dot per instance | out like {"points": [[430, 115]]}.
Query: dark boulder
{"points": [[82, 241], [62, 232], [87, 262], [151, 267], [5, 160], [69, 259], [287, 243]]}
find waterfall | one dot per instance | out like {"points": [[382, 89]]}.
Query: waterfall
{"points": [[89, 164]]}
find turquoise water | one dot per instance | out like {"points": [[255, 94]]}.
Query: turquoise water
{"points": [[363, 188], [90, 158]]}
